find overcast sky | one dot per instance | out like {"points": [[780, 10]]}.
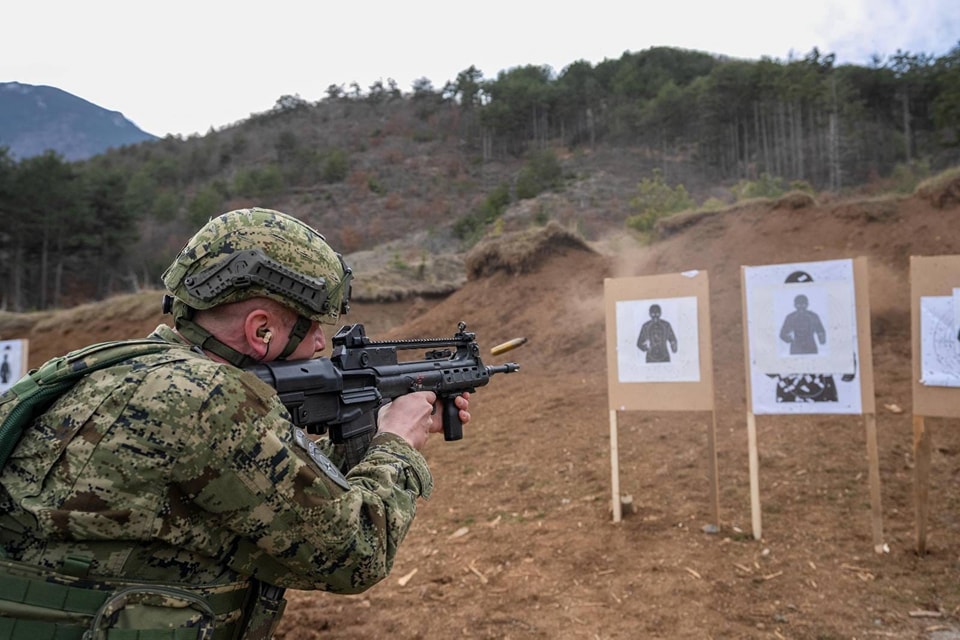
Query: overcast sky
{"points": [[182, 67]]}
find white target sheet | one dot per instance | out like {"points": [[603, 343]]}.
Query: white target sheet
{"points": [[939, 344]]}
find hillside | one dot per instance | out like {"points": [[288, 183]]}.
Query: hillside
{"points": [[431, 170], [518, 542]]}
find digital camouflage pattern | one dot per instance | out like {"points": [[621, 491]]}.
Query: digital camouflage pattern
{"points": [[281, 237], [71, 606], [174, 468]]}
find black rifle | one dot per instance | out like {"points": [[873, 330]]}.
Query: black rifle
{"points": [[342, 394]]}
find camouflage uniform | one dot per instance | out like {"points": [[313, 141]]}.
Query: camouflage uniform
{"points": [[175, 468], [172, 468]]}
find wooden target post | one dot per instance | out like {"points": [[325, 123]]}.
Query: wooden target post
{"points": [[934, 287], [638, 341], [841, 293]]}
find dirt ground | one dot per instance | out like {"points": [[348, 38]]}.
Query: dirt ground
{"points": [[518, 540]]}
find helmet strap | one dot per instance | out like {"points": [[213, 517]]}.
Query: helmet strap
{"points": [[297, 335], [183, 321]]}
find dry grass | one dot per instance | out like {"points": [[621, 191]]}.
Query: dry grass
{"points": [[128, 308], [670, 225], [119, 309], [875, 209], [520, 251], [795, 200], [14, 325], [427, 276], [942, 189]]}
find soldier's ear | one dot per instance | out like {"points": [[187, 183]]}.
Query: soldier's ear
{"points": [[258, 330]]}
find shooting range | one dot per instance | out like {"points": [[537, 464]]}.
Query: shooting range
{"points": [[808, 351], [934, 311], [659, 357], [13, 362]]}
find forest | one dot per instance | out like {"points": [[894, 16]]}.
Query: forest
{"points": [[75, 231]]}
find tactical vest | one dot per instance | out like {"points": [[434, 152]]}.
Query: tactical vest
{"points": [[40, 604]]}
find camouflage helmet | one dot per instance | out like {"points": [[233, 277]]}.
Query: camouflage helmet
{"points": [[258, 252]]}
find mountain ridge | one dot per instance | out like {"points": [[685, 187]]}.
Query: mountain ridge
{"points": [[35, 119]]}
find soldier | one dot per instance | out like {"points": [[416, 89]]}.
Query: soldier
{"points": [[172, 494]]}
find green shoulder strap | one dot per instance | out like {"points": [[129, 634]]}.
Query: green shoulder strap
{"points": [[35, 392]]}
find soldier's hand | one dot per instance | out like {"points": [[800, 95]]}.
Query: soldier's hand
{"points": [[414, 417]]}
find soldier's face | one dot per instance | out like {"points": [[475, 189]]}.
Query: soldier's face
{"points": [[312, 343]]}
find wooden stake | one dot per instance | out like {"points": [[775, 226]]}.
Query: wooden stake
{"points": [[614, 466], [921, 482], [873, 462], [712, 470], [754, 474]]}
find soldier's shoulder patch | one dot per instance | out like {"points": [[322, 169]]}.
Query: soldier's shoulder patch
{"points": [[322, 461]]}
